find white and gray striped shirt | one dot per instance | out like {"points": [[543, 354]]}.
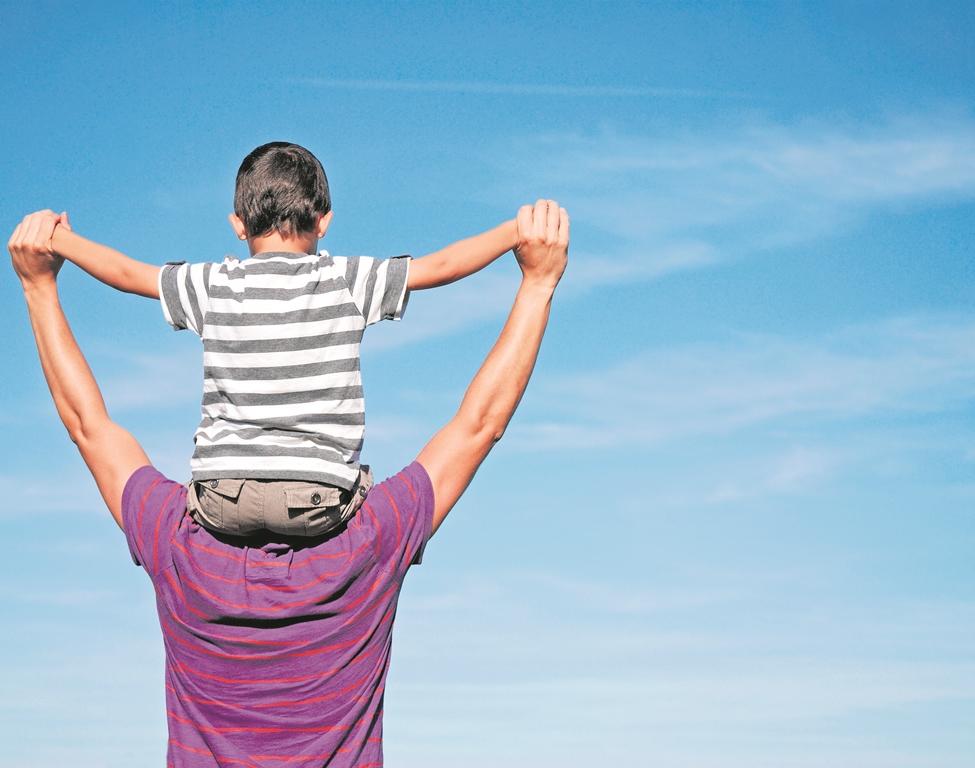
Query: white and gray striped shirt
{"points": [[282, 392]]}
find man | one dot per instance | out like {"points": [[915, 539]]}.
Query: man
{"points": [[277, 649]]}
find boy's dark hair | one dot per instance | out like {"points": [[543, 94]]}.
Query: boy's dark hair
{"points": [[281, 187]]}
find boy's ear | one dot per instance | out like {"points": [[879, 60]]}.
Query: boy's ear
{"points": [[323, 223], [238, 226]]}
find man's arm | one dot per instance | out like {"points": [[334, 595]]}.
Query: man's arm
{"points": [[111, 453], [462, 258], [105, 264], [454, 454]]}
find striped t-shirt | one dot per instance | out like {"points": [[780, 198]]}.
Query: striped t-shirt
{"points": [[282, 391], [276, 653]]}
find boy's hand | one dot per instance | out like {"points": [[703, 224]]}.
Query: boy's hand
{"points": [[30, 248], [543, 241]]}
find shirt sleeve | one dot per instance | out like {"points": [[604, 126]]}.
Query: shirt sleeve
{"points": [[396, 518], [152, 505], [378, 286], [184, 290]]}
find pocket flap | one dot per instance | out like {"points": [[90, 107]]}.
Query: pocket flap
{"points": [[309, 496], [228, 488]]}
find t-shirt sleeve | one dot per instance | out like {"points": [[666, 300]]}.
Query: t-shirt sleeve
{"points": [[183, 292], [378, 286], [152, 506], [397, 516]]}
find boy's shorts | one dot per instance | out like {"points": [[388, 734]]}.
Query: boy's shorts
{"points": [[288, 507]]}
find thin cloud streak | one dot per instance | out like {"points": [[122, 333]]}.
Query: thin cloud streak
{"points": [[905, 367], [429, 314], [512, 89], [154, 382], [682, 202], [655, 671], [76, 493]]}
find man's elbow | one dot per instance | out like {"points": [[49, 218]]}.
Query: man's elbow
{"points": [[84, 433], [79, 436], [486, 432]]}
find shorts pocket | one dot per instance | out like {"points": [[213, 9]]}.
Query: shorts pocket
{"points": [[217, 502], [314, 509]]}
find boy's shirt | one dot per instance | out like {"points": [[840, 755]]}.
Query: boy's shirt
{"points": [[282, 391]]}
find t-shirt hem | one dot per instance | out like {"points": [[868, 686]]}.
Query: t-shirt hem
{"points": [[296, 476]]}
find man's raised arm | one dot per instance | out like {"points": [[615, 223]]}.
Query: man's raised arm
{"points": [[111, 453], [454, 454]]}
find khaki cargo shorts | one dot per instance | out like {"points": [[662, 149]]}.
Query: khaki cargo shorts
{"points": [[288, 507]]}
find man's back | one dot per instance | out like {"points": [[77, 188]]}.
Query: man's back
{"points": [[276, 651]]}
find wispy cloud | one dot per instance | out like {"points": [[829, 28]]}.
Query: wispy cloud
{"points": [[647, 205], [650, 671], [905, 366], [29, 496], [792, 473], [510, 89], [429, 314], [153, 381], [682, 200]]}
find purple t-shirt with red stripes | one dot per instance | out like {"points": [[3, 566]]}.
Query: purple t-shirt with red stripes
{"points": [[276, 652]]}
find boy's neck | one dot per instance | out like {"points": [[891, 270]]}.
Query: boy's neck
{"points": [[303, 242]]}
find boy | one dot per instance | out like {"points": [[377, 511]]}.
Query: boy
{"points": [[283, 417]]}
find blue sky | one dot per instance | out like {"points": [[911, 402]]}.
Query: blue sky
{"points": [[732, 523]]}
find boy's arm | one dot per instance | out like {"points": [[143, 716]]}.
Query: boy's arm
{"points": [[463, 258], [104, 263]]}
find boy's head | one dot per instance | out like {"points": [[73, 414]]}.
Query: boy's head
{"points": [[282, 188]]}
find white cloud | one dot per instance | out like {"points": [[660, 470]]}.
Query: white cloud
{"points": [[431, 313], [677, 201], [508, 89], [791, 473], [32, 495], [567, 664], [154, 381], [905, 366]]}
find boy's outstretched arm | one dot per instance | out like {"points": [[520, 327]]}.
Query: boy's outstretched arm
{"points": [[105, 264], [463, 258]]}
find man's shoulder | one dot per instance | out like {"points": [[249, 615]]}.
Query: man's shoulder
{"points": [[143, 480], [149, 500], [398, 515]]}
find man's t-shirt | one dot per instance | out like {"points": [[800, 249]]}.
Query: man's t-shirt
{"points": [[282, 392], [276, 653]]}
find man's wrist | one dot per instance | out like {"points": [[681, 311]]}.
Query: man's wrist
{"points": [[39, 287], [542, 286]]}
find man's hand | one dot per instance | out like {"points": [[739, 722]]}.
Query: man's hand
{"points": [[543, 241], [30, 248]]}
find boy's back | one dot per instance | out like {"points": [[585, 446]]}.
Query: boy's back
{"points": [[282, 387]]}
